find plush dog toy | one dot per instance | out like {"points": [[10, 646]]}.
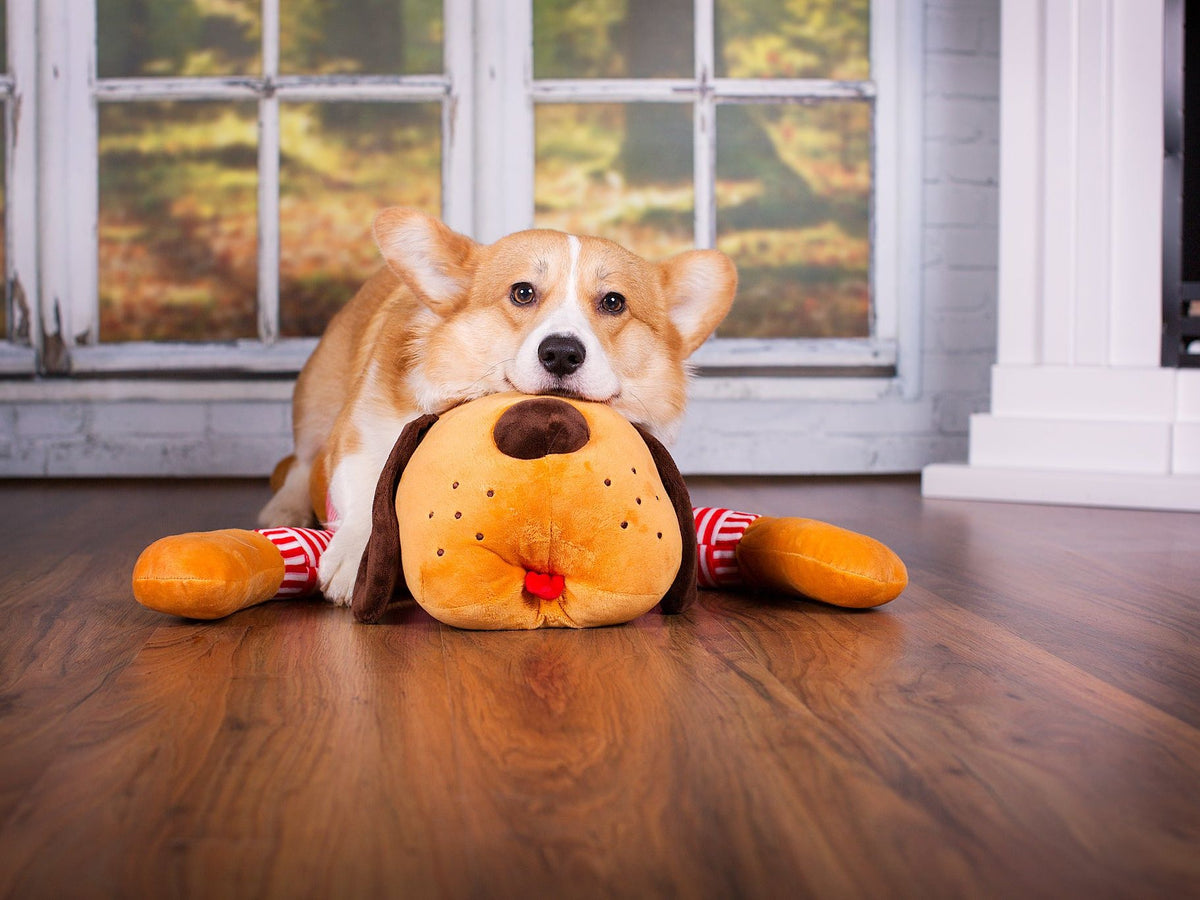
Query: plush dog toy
{"points": [[525, 512]]}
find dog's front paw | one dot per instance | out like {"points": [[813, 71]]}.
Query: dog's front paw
{"points": [[339, 565]]}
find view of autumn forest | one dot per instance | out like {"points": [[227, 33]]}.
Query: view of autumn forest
{"points": [[4, 318], [178, 180]]}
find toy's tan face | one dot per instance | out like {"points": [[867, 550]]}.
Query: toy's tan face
{"points": [[524, 513]]}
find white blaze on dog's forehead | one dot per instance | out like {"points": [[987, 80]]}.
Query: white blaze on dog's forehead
{"points": [[574, 245], [568, 315]]}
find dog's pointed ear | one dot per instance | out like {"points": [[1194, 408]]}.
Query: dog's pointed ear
{"points": [[380, 571], [699, 287], [436, 262], [682, 592]]}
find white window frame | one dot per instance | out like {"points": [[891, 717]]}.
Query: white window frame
{"points": [[488, 96]]}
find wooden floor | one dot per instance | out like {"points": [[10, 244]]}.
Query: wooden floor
{"points": [[1023, 721]]}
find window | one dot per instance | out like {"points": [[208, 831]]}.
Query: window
{"points": [[207, 179], [223, 163], [757, 127]]}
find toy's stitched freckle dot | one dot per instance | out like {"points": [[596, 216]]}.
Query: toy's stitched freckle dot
{"points": [[634, 471], [458, 515], [431, 514], [624, 524], [454, 486], [639, 500], [478, 537], [441, 552], [660, 535], [608, 482], [491, 493]]}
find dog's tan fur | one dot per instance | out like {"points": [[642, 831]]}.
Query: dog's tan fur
{"points": [[438, 326]]}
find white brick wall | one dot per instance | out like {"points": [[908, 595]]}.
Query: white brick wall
{"points": [[243, 429], [962, 162]]}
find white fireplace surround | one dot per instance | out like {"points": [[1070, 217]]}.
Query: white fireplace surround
{"points": [[1081, 411]]}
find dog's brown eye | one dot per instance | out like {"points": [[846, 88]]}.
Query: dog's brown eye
{"points": [[612, 302], [522, 293]]}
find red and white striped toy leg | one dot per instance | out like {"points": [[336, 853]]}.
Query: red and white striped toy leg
{"points": [[718, 532], [301, 549]]}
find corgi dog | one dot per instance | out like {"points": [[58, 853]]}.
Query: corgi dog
{"points": [[449, 320]]}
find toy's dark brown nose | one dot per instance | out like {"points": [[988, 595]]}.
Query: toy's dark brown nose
{"points": [[540, 427]]}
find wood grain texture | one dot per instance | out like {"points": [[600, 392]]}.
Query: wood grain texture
{"points": [[1023, 721]]}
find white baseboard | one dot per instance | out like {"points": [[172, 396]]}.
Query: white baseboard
{"points": [[1129, 491]]}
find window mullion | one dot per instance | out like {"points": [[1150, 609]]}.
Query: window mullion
{"points": [[897, 154], [293, 88], [268, 180], [704, 133], [458, 114], [68, 166], [504, 154], [21, 137], [615, 90], [783, 90]]}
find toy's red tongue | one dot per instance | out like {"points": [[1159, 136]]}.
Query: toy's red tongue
{"points": [[544, 587]]}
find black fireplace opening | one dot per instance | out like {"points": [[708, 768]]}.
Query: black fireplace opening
{"points": [[1181, 185]]}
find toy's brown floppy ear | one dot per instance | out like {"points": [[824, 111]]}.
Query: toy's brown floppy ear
{"points": [[380, 571], [682, 592]]}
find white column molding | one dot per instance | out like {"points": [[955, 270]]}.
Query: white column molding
{"points": [[1137, 165], [1057, 164], [1092, 297], [1018, 339], [1081, 411]]}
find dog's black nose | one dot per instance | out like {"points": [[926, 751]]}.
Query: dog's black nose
{"points": [[561, 354]]}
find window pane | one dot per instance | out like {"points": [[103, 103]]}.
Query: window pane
{"points": [[797, 39], [178, 221], [793, 198], [4, 298], [374, 37], [340, 164], [621, 171], [612, 39], [167, 37], [3, 144]]}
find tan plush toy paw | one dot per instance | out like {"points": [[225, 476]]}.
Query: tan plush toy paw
{"points": [[819, 561], [811, 559], [207, 575], [211, 574]]}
